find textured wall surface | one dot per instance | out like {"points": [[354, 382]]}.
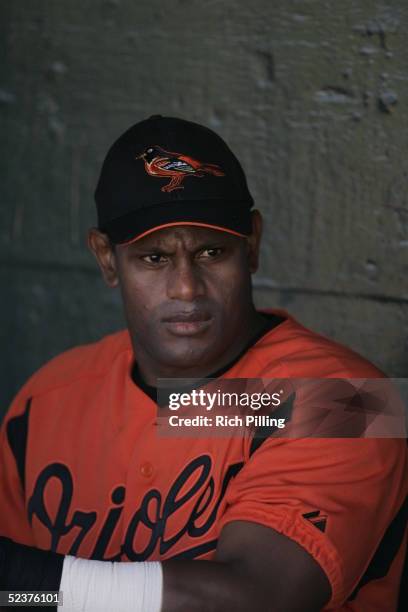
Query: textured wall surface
{"points": [[312, 95]]}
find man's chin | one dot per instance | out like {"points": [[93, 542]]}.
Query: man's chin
{"points": [[191, 357]]}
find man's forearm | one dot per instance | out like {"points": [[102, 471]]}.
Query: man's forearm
{"points": [[196, 586], [211, 586]]}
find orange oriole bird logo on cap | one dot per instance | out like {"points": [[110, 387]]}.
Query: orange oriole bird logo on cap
{"points": [[176, 166]]}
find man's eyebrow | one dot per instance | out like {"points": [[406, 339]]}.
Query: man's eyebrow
{"points": [[204, 243], [142, 245], [211, 244], [163, 250], [142, 250]]}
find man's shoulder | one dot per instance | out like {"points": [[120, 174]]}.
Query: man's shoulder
{"points": [[303, 352], [84, 361]]}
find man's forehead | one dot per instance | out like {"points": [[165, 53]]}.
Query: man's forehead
{"points": [[188, 235]]}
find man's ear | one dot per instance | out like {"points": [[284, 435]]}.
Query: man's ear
{"points": [[102, 248], [254, 241]]}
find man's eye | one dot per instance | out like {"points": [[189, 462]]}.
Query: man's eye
{"points": [[211, 253], [154, 258]]}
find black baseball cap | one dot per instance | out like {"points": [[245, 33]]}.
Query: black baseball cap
{"points": [[166, 171]]}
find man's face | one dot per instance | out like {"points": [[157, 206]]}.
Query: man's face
{"points": [[186, 293]]}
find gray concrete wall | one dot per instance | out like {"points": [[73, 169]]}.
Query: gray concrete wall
{"points": [[311, 94]]}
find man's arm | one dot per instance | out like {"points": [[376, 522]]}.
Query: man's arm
{"points": [[255, 568]]}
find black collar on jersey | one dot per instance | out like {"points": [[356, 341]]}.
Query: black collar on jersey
{"points": [[271, 321]]}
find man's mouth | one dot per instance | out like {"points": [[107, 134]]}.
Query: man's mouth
{"points": [[187, 323]]}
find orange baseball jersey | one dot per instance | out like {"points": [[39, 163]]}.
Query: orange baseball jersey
{"points": [[83, 471]]}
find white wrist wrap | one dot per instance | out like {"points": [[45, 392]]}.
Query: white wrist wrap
{"points": [[89, 586]]}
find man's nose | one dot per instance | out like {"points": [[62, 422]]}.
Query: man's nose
{"points": [[185, 282]]}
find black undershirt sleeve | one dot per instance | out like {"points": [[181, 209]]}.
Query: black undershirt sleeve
{"points": [[23, 568]]}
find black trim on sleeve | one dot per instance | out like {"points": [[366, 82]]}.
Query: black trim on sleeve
{"points": [[17, 432], [387, 550]]}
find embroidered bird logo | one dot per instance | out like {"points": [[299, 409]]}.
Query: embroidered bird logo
{"points": [[176, 166]]}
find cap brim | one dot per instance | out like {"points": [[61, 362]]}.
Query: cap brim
{"points": [[231, 217]]}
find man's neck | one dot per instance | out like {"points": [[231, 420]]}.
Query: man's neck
{"points": [[250, 330]]}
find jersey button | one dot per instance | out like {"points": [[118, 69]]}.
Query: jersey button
{"points": [[146, 469]]}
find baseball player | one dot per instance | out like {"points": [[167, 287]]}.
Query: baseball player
{"points": [[96, 504]]}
